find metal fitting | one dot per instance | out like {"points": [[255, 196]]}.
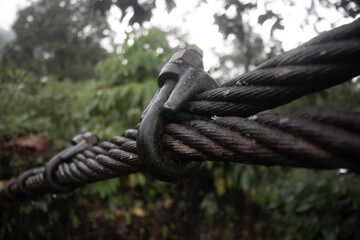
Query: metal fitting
{"points": [[181, 79], [181, 60], [190, 56], [21, 181], [80, 143]]}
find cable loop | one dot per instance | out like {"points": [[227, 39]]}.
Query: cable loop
{"points": [[198, 129], [180, 80], [80, 143]]}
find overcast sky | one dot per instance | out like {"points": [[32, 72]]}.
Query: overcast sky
{"points": [[8, 9]]}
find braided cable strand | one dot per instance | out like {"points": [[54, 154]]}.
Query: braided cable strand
{"points": [[317, 139], [308, 140], [89, 166], [325, 139], [327, 60]]}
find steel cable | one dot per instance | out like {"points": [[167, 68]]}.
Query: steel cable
{"points": [[216, 126]]}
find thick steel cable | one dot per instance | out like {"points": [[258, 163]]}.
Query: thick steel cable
{"points": [[327, 140], [324, 139], [306, 140], [327, 60]]}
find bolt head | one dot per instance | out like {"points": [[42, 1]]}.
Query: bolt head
{"points": [[190, 56]]}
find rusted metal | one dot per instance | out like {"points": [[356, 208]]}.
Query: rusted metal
{"points": [[180, 80]]}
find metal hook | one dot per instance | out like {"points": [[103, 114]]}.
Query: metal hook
{"points": [[180, 80]]}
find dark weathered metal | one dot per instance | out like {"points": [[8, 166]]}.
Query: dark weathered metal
{"points": [[308, 140], [180, 80], [327, 60], [323, 139], [80, 143], [21, 182]]}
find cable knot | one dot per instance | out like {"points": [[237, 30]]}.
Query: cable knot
{"points": [[180, 80]]}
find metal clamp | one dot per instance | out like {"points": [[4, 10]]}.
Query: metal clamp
{"points": [[180, 80], [80, 143], [22, 179]]}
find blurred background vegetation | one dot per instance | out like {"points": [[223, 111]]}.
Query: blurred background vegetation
{"points": [[57, 80]]}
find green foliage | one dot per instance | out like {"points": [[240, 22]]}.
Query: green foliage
{"points": [[222, 201], [284, 203], [128, 81], [104, 189], [32, 105], [320, 205], [45, 214], [57, 37], [139, 58]]}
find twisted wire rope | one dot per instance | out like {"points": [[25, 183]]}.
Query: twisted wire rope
{"points": [[216, 126]]}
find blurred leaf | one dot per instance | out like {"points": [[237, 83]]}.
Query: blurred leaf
{"points": [[264, 17], [137, 211]]}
